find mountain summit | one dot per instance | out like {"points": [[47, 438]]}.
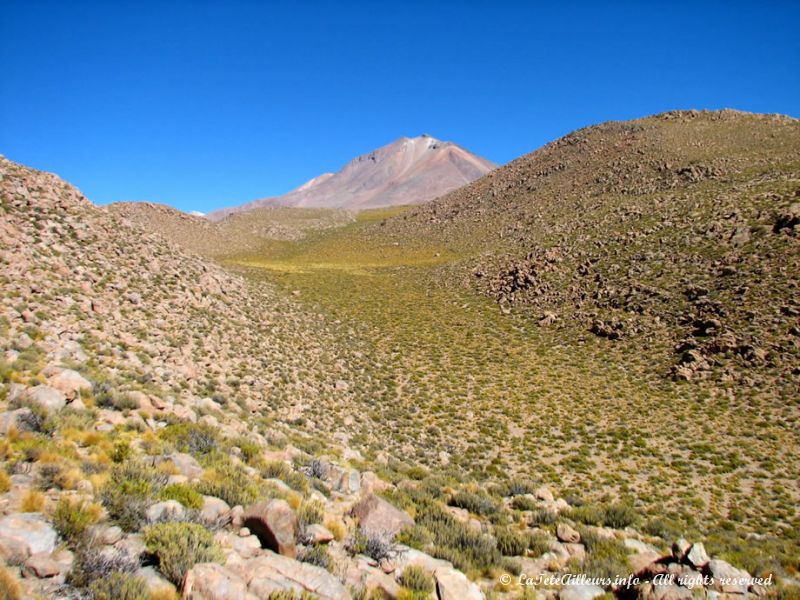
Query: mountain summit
{"points": [[407, 171]]}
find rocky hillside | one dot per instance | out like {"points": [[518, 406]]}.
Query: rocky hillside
{"points": [[674, 236], [239, 233], [407, 171]]}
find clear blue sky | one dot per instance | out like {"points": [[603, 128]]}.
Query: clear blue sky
{"points": [[205, 104]]}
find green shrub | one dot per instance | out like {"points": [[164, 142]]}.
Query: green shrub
{"points": [[605, 557], [416, 579], [543, 516], [620, 516], [229, 481], [179, 546], [120, 586], [310, 512], [98, 562], [184, 494], [197, 439], [129, 491], [276, 469], [249, 448], [377, 546], [316, 555], [73, 517], [480, 504], [511, 543], [524, 503]]}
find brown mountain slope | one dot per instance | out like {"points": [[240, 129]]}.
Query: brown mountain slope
{"points": [[407, 171], [674, 236], [239, 233], [85, 285]]}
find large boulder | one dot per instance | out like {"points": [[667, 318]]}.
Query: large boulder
{"points": [[275, 524], [46, 397], [376, 516], [14, 419], [454, 585], [567, 534], [70, 383], [186, 464], [577, 591], [215, 511], [727, 578], [168, 510], [274, 573], [697, 556], [25, 534], [210, 581]]}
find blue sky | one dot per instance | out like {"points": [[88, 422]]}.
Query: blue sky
{"points": [[207, 104]]}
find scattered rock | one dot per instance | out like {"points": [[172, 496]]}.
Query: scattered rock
{"points": [[275, 525], [376, 516]]}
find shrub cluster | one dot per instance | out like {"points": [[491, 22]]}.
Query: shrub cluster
{"points": [[179, 546]]}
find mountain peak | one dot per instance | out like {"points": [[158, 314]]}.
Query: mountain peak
{"points": [[407, 171]]}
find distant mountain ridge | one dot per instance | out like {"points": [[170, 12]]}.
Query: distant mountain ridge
{"points": [[407, 171]]}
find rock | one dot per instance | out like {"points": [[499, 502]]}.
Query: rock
{"points": [[727, 578], [273, 572], [210, 581], [245, 546], [680, 548], [576, 591], [567, 534], [375, 516], [48, 398], [14, 419], [349, 482], [576, 551], [318, 534], [186, 465], [42, 565], [156, 583], [544, 494], [371, 483], [26, 534], [70, 383], [215, 511], [169, 510], [697, 556], [454, 585], [651, 591], [275, 524]]}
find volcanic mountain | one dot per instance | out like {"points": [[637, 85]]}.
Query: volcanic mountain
{"points": [[407, 171]]}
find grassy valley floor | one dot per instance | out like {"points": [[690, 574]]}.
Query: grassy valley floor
{"points": [[452, 384]]}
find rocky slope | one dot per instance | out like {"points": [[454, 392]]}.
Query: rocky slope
{"points": [[674, 235], [407, 171], [239, 233]]}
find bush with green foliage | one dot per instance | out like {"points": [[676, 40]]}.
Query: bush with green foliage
{"points": [[179, 546], [72, 518], [186, 495], [97, 562], [227, 480], [480, 504], [378, 546], [130, 490], [120, 586], [276, 469], [197, 439], [316, 555], [617, 516], [416, 579], [510, 542], [605, 557]]}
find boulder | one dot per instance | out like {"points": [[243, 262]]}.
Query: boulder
{"points": [[70, 383], [651, 591], [576, 591], [13, 419], [318, 534], [42, 565], [727, 578], [210, 581], [48, 398], [156, 582], [273, 573], [376, 516], [25, 534], [567, 534], [544, 494], [168, 510], [215, 511], [697, 556], [454, 585], [186, 465], [275, 525]]}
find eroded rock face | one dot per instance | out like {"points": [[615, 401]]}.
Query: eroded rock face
{"points": [[48, 398], [275, 525], [273, 573], [70, 383], [376, 516]]}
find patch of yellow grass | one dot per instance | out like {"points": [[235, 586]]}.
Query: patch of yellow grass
{"points": [[33, 501]]}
